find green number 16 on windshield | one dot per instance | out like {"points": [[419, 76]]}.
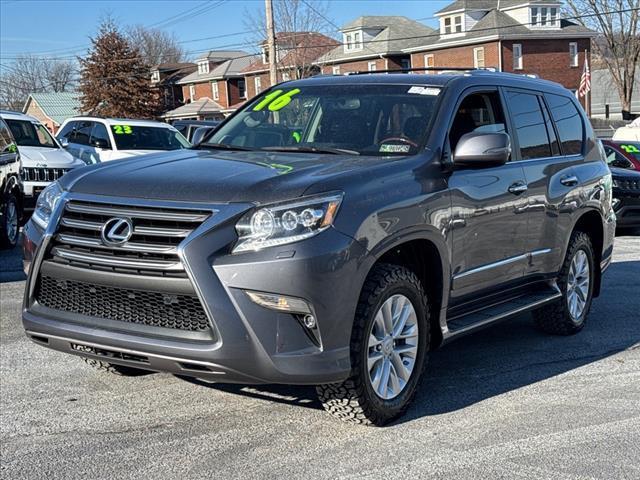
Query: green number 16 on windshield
{"points": [[276, 100]]}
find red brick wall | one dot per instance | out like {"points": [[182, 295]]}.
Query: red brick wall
{"points": [[249, 79], [234, 92], [202, 90], [458, 56], [390, 63], [549, 59]]}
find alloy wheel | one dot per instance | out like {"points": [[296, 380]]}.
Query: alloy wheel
{"points": [[578, 285]]}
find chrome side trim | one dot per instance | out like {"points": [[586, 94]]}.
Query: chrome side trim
{"points": [[130, 212], [116, 262], [501, 263]]}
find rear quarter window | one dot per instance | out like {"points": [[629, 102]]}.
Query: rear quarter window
{"points": [[568, 122]]}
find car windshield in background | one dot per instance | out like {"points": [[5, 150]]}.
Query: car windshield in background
{"points": [[132, 137], [362, 119], [29, 134], [632, 148]]}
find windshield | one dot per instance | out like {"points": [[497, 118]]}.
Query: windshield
{"points": [[361, 119], [631, 148], [132, 137], [30, 134]]}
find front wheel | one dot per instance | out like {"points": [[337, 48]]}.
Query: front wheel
{"points": [[576, 280], [10, 226], [388, 350]]}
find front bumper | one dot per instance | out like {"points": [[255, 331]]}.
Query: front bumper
{"points": [[248, 343], [627, 210]]}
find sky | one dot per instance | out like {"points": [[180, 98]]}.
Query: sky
{"points": [[62, 28]]}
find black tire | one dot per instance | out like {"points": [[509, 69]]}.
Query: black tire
{"points": [[556, 318], [355, 400], [9, 235], [114, 369]]}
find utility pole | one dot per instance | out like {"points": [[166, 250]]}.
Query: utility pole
{"points": [[271, 42]]}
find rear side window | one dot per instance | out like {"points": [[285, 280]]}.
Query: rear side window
{"points": [[81, 134], [100, 133], [568, 122], [530, 126], [66, 130]]}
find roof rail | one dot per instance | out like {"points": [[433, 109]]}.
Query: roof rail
{"points": [[426, 69]]}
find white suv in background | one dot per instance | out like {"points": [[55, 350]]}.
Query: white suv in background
{"points": [[43, 158], [95, 139]]}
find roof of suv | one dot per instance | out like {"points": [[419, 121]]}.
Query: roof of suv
{"points": [[11, 115], [463, 76], [121, 121]]}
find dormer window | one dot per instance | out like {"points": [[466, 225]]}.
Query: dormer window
{"points": [[155, 76], [203, 67], [544, 17], [352, 41], [452, 25]]}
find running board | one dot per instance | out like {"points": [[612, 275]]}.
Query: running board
{"points": [[494, 313]]}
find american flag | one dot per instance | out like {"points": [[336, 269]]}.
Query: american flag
{"points": [[585, 81]]}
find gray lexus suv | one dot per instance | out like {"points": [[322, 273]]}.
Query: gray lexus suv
{"points": [[331, 232]]}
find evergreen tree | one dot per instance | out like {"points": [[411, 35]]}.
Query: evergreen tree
{"points": [[115, 79]]}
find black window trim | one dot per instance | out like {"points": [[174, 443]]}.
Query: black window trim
{"points": [[584, 131]]}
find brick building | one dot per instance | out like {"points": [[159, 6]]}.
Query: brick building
{"points": [[52, 108], [375, 43], [164, 78], [519, 36], [215, 89], [296, 54]]}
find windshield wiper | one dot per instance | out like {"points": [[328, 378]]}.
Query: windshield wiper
{"points": [[296, 148], [223, 146]]}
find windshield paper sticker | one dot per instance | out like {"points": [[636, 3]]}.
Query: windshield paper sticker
{"points": [[394, 148], [122, 129], [416, 90], [276, 100]]}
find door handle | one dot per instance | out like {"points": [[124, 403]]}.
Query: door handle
{"points": [[518, 188], [569, 181]]}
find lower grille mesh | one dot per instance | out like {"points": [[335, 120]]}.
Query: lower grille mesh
{"points": [[183, 312]]}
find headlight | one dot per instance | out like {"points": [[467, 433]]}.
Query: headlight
{"points": [[47, 201], [286, 222]]}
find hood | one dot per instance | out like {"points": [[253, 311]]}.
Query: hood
{"points": [[214, 176], [118, 154], [48, 158]]}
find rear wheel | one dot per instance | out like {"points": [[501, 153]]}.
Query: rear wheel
{"points": [[576, 281], [10, 218], [388, 350]]}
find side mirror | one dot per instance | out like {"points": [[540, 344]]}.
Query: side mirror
{"points": [[100, 143], [64, 142], [199, 135], [482, 150]]}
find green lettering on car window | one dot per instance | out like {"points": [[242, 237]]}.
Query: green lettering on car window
{"points": [[276, 100], [122, 129], [630, 148]]}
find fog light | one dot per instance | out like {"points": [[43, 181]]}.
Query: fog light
{"points": [[281, 303], [309, 321]]}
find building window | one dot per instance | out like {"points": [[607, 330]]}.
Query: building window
{"points": [[352, 41], [203, 67], [573, 54], [429, 61], [192, 92], [405, 64], [155, 76], [553, 17], [372, 66], [544, 17], [458, 24], [478, 57], [215, 91], [335, 70], [357, 41], [447, 25], [242, 89], [535, 17], [257, 82], [517, 56]]}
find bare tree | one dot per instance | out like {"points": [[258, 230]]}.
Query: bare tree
{"points": [[32, 74], [294, 20], [619, 44], [155, 46]]}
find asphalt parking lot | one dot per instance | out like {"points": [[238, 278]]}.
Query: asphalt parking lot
{"points": [[508, 402]]}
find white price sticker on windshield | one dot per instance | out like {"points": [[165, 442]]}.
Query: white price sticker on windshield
{"points": [[417, 90]]}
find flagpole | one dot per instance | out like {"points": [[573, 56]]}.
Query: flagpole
{"points": [[587, 97]]}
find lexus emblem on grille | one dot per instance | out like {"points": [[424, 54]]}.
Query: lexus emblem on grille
{"points": [[117, 231]]}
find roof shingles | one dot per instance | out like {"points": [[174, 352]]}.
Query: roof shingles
{"points": [[58, 106]]}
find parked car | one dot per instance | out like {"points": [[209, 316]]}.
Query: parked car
{"points": [[628, 133], [626, 197], [94, 139], [43, 158], [331, 232], [189, 127], [622, 154], [11, 199]]}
